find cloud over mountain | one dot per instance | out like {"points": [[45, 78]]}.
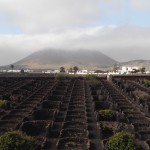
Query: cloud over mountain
{"points": [[119, 28], [121, 43]]}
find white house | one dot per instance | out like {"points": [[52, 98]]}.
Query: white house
{"points": [[127, 70], [48, 71], [13, 71], [56, 71], [92, 72], [82, 72], [28, 71]]}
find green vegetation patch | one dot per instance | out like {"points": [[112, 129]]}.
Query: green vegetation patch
{"points": [[16, 140], [93, 81], [3, 103], [106, 114], [63, 77], [90, 77], [142, 95], [121, 141], [146, 82]]}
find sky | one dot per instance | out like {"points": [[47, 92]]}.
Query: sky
{"points": [[118, 28]]}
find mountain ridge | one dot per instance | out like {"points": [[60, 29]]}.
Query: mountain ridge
{"points": [[138, 63], [84, 59], [56, 58]]}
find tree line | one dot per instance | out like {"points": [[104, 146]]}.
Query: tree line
{"points": [[71, 70]]}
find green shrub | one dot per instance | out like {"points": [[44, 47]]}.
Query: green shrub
{"points": [[63, 77], [16, 140], [106, 114], [90, 77], [3, 103], [94, 83], [60, 77], [142, 95], [146, 82], [121, 141]]}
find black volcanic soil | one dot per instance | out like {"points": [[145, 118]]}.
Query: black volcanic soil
{"points": [[63, 114]]}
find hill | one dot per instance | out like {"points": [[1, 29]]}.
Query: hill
{"points": [[138, 63], [54, 59]]}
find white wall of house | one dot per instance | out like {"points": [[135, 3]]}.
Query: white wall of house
{"points": [[13, 71], [82, 72], [48, 71], [56, 71], [27, 70], [92, 72], [127, 70]]}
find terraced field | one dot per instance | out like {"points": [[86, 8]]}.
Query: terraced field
{"points": [[65, 114]]}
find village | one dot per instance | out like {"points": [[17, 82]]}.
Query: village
{"points": [[75, 70]]}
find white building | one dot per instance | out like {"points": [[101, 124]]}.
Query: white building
{"points": [[127, 70], [48, 71], [82, 72], [92, 72], [56, 71], [28, 70], [13, 71]]}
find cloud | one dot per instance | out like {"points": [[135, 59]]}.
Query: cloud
{"points": [[80, 24], [142, 5], [120, 42], [40, 16]]}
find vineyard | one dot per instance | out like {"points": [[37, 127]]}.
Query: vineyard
{"points": [[76, 113]]}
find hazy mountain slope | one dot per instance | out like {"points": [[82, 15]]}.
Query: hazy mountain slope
{"points": [[57, 58], [138, 63]]}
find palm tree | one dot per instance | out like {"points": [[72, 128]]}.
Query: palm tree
{"points": [[12, 67], [62, 69], [71, 70], [75, 68], [142, 70], [22, 70], [115, 68]]}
